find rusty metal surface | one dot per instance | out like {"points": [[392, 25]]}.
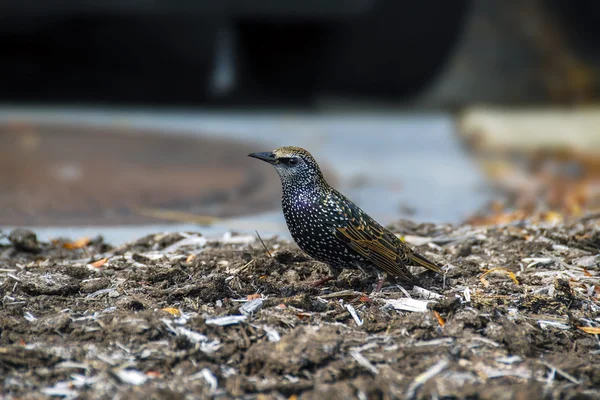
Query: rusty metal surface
{"points": [[79, 175]]}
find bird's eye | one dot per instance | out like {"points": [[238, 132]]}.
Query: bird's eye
{"points": [[293, 161]]}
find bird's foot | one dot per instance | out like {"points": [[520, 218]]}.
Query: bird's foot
{"points": [[380, 283], [322, 281]]}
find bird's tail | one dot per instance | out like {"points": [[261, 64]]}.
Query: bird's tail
{"points": [[423, 262]]}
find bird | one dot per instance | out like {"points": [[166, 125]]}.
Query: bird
{"points": [[330, 228]]}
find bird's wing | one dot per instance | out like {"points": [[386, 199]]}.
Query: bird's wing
{"points": [[378, 245]]}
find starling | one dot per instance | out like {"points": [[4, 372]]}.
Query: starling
{"points": [[332, 229]]}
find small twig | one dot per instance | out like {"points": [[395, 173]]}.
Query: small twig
{"points": [[425, 376], [263, 243], [404, 291], [444, 279], [551, 377], [244, 267], [485, 340], [434, 342], [343, 293], [564, 374], [362, 361]]}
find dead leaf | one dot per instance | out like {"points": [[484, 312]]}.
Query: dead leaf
{"points": [[511, 275], [173, 311], [590, 329], [99, 263], [190, 258], [553, 217], [77, 244], [439, 318], [303, 315]]}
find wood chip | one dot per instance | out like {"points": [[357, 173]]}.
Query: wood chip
{"points": [[131, 376], [226, 320], [413, 305], [509, 360], [352, 312], [196, 242], [553, 324], [425, 294], [251, 306]]}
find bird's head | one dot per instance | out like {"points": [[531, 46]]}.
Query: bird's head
{"points": [[294, 165]]}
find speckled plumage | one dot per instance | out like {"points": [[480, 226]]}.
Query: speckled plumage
{"points": [[329, 227]]}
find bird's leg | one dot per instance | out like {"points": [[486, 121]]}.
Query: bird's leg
{"points": [[325, 279], [380, 283], [322, 281]]}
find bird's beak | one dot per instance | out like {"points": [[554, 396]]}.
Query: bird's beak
{"points": [[266, 156]]}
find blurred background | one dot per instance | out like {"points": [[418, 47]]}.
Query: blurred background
{"points": [[126, 117]]}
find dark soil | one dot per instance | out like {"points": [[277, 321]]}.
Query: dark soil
{"points": [[142, 324]]}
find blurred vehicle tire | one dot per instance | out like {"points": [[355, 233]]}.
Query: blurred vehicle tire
{"points": [[392, 50], [395, 49]]}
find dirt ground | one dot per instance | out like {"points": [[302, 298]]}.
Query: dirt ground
{"points": [[178, 317], [106, 177]]}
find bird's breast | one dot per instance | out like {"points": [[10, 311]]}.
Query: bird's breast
{"points": [[312, 228]]}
